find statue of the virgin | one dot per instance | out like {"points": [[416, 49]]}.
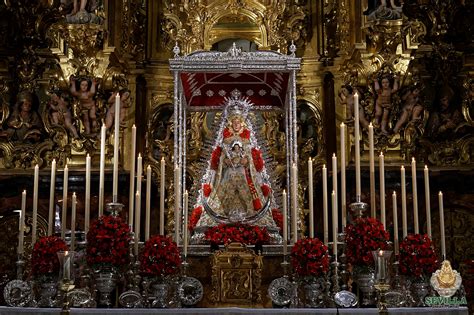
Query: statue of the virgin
{"points": [[236, 186]]}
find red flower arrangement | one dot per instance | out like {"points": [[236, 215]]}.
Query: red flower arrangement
{"points": [[363, 236], [160, 257], [417, 255], [278, 218], [257, 159], [242, 233], [108, 241], [194, 218], [215, 156], [44, 258], [309, 257]]}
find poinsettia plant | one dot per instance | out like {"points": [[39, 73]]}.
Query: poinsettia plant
{"points": [[160, 257], [309, 257], [108, 242], [417, 255], [242, 233], [363, 236], [44, 258]]}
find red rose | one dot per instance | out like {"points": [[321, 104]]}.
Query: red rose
{"points": [[160, 257], [44, 258], [215, 157], [417, 255], [243, 233], [309, 257]]}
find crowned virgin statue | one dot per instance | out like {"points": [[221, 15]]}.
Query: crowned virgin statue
{"points": [[235, 187]]}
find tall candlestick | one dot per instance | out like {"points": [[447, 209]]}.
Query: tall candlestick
{"points": [[382, 189], [64, 210], [51, 198], [395, 222], [35, 206], [357, 144], [177, 216], [87, 196], [334, 224], [415, 198], [116, 147], [21, 223], [132, 175], [343, 176], [137, 222], [162, 197], [441, 225], [147, 204], [372, 171], [310, 194], [73, 221], [185, 227], [285, 224], [294, 206], [334, 184], [325, 205], [404, 202], [102, 169], [427, 201]]}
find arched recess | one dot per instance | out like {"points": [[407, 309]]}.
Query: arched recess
{"points": [[232, 24]]}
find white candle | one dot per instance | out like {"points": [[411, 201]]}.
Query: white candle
{"points": [[395, 222], [357, 144], [132, 175], [310, 195], [294, 207], [35, 205], [177, 216], [343, 176], [427, 201], [285, 223], [372, 172], [64, 210], [67, 266], [334, 185], [51, 198], [139, 174], [404, 202], [116, 147], [334, 224], [21, 223], [87, 197], [415, 198], [147, 204], [73, 221], [441, 225], [185, 227], [102, 169], [137, 222], [162, 197], [325, 205], [382, 190]]}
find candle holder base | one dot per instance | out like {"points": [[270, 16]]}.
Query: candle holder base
{"points": [[358, 209], [114, 208]]}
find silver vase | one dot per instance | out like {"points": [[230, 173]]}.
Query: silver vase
{"points": [[48, 289], [160, 292], [365, 279], [420, 288], [313, 292], [105, 281]]}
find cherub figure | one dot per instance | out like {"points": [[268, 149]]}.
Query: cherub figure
{"points": [[346, 97], [383, 104], [412, 108], [60, 112], [124, 105], [87, 105]]}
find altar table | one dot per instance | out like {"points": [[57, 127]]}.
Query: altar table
{"points": [[233, 311]]}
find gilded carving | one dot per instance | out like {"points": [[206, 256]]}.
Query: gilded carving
{"points": [[236, 276]]}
